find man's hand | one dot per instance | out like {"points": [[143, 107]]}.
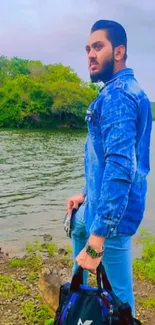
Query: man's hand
{"points": [[86, 261], [73, 202]]}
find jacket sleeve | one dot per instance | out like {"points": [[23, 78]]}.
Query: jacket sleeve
{"points": [[118, 129]]}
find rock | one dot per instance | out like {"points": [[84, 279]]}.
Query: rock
{"points": [[47, 238], [49, 284], [3, 256], [23, 277], [62, 251]]}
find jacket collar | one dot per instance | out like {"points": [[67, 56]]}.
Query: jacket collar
{"points": [[117, 75]]}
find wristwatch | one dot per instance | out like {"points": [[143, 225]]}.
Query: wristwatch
{"points": [[93, 252]]}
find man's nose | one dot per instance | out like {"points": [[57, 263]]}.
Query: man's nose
{"points": [[92, 54]]}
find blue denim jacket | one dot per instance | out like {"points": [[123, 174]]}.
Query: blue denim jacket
{"points": [[117, 157]]}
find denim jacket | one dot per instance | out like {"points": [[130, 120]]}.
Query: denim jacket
{"points": [[117, 152]]}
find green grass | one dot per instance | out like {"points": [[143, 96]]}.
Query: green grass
{"points": [[36, 246], [148, 303], [153, 110], [33, 311], [34, 262], [144, 268], [9, 287], [32, 276], [33, 259], [36, 315], [69, 249], [51, 248]]}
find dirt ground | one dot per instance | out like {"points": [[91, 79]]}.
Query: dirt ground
{"points": [[10, 306]]}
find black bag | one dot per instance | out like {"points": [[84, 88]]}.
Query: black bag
{"points": [[83, 305]]}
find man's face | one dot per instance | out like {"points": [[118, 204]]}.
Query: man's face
{"points": [[100, 57]]}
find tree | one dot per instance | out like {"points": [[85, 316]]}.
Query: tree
{"points": [[22, 102], [36, 95], [70, 101], [58, 72]]}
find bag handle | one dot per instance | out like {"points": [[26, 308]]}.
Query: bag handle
{"points": [[102, 280]]}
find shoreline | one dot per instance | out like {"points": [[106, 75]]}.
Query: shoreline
{"points": [[27, 298], [56, 129], [19, 250]]}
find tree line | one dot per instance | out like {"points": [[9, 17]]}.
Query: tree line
{"points": [[33, 94]]}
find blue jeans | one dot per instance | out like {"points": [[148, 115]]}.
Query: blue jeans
{"points": [[117, 258]]}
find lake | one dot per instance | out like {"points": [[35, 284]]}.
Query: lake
{"points": [[39, 170]]}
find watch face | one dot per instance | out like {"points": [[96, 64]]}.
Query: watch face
{"points": [[92, 252]]}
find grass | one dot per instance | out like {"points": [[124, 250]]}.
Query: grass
{"points": [[35, 247], [31, 261], [36, 315], [144, 268], [51, 248], [9, 287], [32, 276], [32, 312], [69, 249], [148, 303]]}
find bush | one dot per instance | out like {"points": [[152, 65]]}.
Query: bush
{"points": [[144, 268]]}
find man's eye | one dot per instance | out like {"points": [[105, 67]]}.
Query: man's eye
{"points": [[98, 47], [87, 50]]}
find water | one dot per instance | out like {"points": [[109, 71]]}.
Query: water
{"points": [[38, 171]]}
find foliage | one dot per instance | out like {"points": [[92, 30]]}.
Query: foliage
{"points": [[32, 276], [32, 261], [148, 303], [37, 246], [153, 110], [36, 95], [43, 96], [34, 247], [144, 268], [69, 249], [34, 314], [49, 322], [9, 287], [51, 248]]}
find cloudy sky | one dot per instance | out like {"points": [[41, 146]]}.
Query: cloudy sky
{"points": [[56, 31]]}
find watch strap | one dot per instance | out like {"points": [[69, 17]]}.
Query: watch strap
{"points": [[93, 252]]}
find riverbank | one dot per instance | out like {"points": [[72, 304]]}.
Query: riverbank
{"points": [[26, 299], [35, 95]]}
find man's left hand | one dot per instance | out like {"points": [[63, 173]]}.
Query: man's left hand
{"points": [[87, 262]]}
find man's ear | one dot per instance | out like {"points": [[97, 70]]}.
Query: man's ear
{"points": [[119, 53]]}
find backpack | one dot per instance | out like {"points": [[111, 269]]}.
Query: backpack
{"points": [[84, 305]]}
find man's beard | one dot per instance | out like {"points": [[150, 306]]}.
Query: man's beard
{"points": [[105, 74]]}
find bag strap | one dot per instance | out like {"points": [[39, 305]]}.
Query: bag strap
{"points": [[102, 280], [77, 280]]}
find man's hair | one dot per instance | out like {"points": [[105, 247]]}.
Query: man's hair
{"points": [[116, 33]]}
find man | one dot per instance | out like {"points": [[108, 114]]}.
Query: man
{"points": [[116, 163]]}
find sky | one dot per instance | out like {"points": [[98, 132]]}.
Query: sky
{"points": [[57, 30]]}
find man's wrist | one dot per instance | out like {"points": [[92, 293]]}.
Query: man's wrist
{"points": [[92, 252], [96, 242], [95, 246]]}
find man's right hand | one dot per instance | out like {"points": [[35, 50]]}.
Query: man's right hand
{"points": [[74, 202]]}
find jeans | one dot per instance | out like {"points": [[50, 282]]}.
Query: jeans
{"points": [[117, 258]]}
